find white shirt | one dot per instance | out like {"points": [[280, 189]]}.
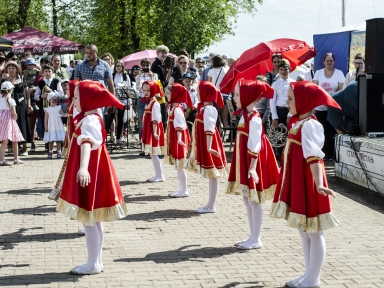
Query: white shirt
{"points": [[350, 78], [59, 91], [312, 138], [210, 118], [217, 75], [254, 137], [69, 71], [156, 112], [4, 103], [179, 119], [280, 95], [91, 129], [139, 82], [330, 85]]}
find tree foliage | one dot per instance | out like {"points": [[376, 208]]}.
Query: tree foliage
{"points": [[122, 27]]}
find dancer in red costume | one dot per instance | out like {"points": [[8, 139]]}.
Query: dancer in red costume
{"points": [[178, 138], [254, 170], [302, 196], [153, 132], [207, 155], [96, 195]]}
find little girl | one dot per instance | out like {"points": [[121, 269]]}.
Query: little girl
{"points": [[207, 155], [301, 195], [54, 128], [178, 138], [153, 131], [9, 130], [91, 192], [254, 170]]}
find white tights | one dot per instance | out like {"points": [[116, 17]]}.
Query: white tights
{"points": [[94, 239], [157, 165], [213, 190], [182, 175], [314, 254], [255, 220]]}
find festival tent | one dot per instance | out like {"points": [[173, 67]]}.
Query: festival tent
{"points": [[5, 45], [39, 42], [339, 42]]}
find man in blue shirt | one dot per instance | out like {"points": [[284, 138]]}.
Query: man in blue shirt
{"points": [[204, 75], [93, 68]]}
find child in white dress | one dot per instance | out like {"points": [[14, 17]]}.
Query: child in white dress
{"points": [[54, 128], [9, 130]]}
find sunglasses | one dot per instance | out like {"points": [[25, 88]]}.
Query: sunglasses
{"points": [[136, 68], [181, 63], [358, 63], [15, 59], [199, 62]]}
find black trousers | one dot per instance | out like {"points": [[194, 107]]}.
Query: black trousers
{"points": [[164, 115], [120, 122], [329, 133], [282, 113]]}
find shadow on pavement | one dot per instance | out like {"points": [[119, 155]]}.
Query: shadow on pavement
{"points": [[8, 241], [243, 285], [127, 182], [27, 191], [145, 198], [13, 265], [39, 210], [182, 254], [46, 278], [354, 192], [169, 214]]}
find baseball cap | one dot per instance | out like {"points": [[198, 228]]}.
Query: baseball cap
{"points": [[51, 95], [7, 86], [64, 81], [189, 75], [30, 61]]}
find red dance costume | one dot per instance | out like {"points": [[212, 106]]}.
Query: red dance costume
{"points": [[251, 142], [102, 200], [177, 154], [296, 198], [205, 163], [152, 115]]}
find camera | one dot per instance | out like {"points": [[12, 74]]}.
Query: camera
{"points": [[145, 70]]}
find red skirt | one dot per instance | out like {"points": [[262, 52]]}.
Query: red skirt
{"points": [[266, 168], [102, 200], [149, 143], [203, 162], [177, 154], [296, 198]]}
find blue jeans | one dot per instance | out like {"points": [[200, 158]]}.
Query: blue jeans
{"points": [[140, 113]]}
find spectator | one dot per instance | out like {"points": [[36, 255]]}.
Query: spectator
{"points": [[279, 107], [274, 74], [184, 52], [191, 63], [264, 107], [22, 98], [107, 57], [2, 62], [169, 64], [310, 74], [71, 67], [135, 70], [63, 101], [180, 70], [121, 79], [144, 75], [200, 63], [26, 55], [231, 61], [93, 68], [60, 72], [216, 75], [158, 65], [204, 75], [331, 80], [359, 63], [300, 78]]}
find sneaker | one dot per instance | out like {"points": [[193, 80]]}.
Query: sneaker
{"points": [[35, 107], [33, 148], [81, 232], [205, 209], [50, 155], [120, 142], [59, 155], [18, 161]]}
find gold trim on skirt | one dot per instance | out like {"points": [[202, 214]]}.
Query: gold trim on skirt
{"points": [[153, 150], [235, 188]]}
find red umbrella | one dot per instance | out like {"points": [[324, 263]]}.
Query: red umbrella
{"points": [[38, 42], [257, 60]]}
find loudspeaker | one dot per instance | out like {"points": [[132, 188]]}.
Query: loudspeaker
{"points": [[374, 46], [371, 103]]}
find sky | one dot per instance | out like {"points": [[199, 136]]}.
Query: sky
{"points": [[297, 19]]}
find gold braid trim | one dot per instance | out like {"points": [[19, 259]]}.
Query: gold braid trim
{"points": [[208, 173], [235, 188], [314, 159], [161, 150], [89, 218], [179, 163], [310, 225]]}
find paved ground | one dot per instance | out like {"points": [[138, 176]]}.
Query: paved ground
{"points": [[163, 243]]}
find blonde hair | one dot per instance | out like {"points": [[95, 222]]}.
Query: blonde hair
{"points": [[162, 48], [110, 56], [262, 78]]}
